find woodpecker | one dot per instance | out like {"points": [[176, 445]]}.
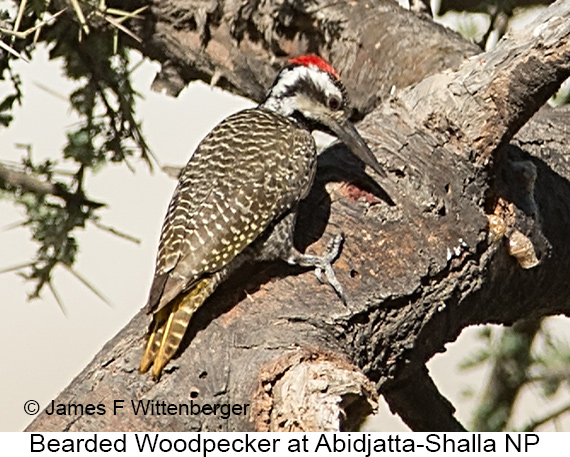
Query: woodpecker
{"points": [[237, 198]]}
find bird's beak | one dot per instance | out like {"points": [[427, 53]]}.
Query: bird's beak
{"points": [[347, 133]]}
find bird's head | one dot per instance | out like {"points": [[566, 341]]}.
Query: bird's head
{"points": [[309, 90]]}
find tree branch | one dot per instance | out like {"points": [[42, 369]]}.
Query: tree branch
{"points": [[511, 82], [415, 274], [30, 183], [420, 405], [242, 51]]}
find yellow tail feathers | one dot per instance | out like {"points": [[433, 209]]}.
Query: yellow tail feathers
{"points": [[170, 324]]}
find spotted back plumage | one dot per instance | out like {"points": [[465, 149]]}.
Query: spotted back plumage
{"points": [[248, 171]]}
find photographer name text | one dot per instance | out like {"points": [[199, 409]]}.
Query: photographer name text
{"points": [[148, 408]]}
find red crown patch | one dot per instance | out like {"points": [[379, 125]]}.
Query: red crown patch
{"points": [[311, 59]]}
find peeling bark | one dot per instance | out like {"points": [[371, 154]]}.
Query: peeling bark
{"points": [[309, 390]]}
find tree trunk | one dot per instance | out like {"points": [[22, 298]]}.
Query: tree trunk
{"points": [[470, 227]]}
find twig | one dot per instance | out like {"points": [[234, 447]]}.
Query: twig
{"points": [[19, 16], [172, 171], [13, 33], [533, 424], [121, 27], [16, 267], [114, 231], [87, 284], [80, 16], [57, 298], [51, 91], [30, 183], [13, 51]]}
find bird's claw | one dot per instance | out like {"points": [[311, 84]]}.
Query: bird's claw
{"points": [[322, 263], [326, 260]]}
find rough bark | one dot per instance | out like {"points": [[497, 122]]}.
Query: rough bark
{"points": [[240, 45], [445, 244]]}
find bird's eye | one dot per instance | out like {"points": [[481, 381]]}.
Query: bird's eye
{"points": [[334, 102]]}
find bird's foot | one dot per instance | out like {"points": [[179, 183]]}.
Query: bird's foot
{"points": [[322, 263]]}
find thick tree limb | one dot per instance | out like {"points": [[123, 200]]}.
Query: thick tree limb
{"points": [[512, 82], [239, 46], [413, 400], [415, 274]]}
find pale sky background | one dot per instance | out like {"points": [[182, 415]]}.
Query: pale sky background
{"points": [[45, 349]]}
